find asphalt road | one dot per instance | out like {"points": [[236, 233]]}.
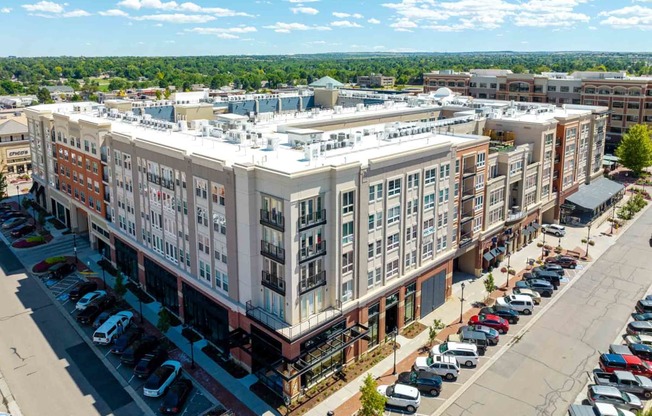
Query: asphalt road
{"points": [[545, 371], [36, 344]]}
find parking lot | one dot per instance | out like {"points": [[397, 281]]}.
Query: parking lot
{"points": [[430, 404], [197, 403]]}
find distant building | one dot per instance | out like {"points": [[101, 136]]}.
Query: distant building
{"points": [[17, 101], [59, 91], [375, 80], [15, 152]]}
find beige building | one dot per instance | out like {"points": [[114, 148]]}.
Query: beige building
{"points": [[375, 80], [15, 152]]}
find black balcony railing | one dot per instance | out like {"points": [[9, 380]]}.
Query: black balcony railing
{"points": [[274, 282], [272, 251], [307, 253], [466, 216], [168, 183], [465, 240], [312, 282], [468, 172], [107, 197], [274, 219], [312, 219], [154, 178]]}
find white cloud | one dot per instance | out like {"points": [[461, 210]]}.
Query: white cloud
{"points": [[317, 42], [281, 27], [304, 10], [379, 47], [345, 23], [114, 13], [341, 15], [373, 21], [76, 13], [593, 28], [5, 10], [631, 17], [44, 7], [170, 41], [158, 25], [176, 18], [227, 36], [222, 30], [186, 7], [400, 29], [403, 24]]}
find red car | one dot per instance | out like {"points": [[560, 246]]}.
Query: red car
{"points": [[616, 362], [492, 321]]}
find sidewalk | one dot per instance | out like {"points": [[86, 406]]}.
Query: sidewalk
{"points": [[347, 400]]}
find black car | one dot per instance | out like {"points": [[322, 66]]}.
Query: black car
{"points": [[551, 267], [424, 381], [102, 317], [125, 340], [544, 288], [7, 215], [176, 397], [509, 314], [644, 305], [81, 289], [548, 276], [138, 350], [150, 362], [61, 270], [95, 309], [22, 230]]}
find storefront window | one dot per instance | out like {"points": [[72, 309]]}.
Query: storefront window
{"points": [[374, 312], [410, 293]]}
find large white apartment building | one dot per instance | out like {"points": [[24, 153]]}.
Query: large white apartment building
{"points": [[296, 242]]}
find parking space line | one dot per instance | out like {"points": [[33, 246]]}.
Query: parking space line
{"points": [[107, 353]]}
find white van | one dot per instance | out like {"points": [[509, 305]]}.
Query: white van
{"points": [[520, 303], [465, 354], [112, 328]]}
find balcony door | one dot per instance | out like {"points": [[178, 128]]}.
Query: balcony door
{"points": [[312, 303], [273, 303]]}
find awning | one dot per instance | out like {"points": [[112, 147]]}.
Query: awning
{"points": [[488, 256], [611, 158], [526, 231], [596, 193], [536, 225], [502, 249], [495, 252], [531, 229]]}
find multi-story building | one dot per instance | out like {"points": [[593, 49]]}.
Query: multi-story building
{"points": [[15, 155], [298, 243], [375, 80]]}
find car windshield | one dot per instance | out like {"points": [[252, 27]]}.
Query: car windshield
{"points": [[429, 361], [443, 348], [390, 390], [100, 335]]}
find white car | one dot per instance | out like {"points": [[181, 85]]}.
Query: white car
{"points": [[400, 395], [88, 298], [441, 365], [465, 354], [554, 229], [520, 303], [159, 381]]}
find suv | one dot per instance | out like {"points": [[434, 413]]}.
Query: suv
{"points": [[61, 270], [611, 395], [548, 276], [80, 290], [644, 305], [400, 395], [598, 409], [468, 336], [555, 229], [639, 327], [465, 354], [424, 381], [551, 267], [564, 261], [150, 362], [544, 288], [502, 310], [440, 365], [519, 303], [138, 350]]}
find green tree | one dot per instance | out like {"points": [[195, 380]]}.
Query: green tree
{"points": [[43, 96], [164, 320], [489, 284], [167, 93], [119, 288], [373, 403], [159, 95], [437, 326], [635, 149]]}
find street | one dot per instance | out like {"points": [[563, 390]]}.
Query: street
{"points": [[546, 369]]}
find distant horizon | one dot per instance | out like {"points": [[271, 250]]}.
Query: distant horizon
{"points": [[157, 28]]}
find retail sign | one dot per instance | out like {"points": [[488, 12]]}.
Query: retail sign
{"points": [[20, 152]]}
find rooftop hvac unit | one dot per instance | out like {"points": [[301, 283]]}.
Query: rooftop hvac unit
{"points": [[272, 143], [337, 109], [359, 107], [312, 152]]}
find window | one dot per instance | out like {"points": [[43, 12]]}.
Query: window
{"points": [[370, 279], [347, 291], [379, 219], [370, 251], [430, 176], [429, 201], [427, 250], [412, 207], [443, 195], [444, 171], [479, 202], [477, 224], [411, 233], [392, 269], [347, 262], [428, 227], [372, 222], [479, 181], [392, 242], [496, 215], [497, 196], [393, 187], [379, 247], [441, 243], [347, 202], [530, 198], [347, 232], [413, 181], [481, 159], [375, 192], [549, 138], [531, 181], [516, 167], [394, 215]]}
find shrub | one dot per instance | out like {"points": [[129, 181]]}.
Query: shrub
{"points": [[44, 266]]}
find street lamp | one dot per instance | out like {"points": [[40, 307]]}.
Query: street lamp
{"points": [[74, 246], [509, 257], [613, 218], [462, 303], [140, 302], [543, 247], [588, 239], [18, 195], [394, 333], [102, 266], [192, 346]]}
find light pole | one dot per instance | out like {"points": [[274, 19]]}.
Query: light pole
{"points": [[18, 195], [588, 239], [192, 346], [509, 257], [613, 218], [462, 303], [74, 247], [394, 333], [543, 247], [140, 302], [102, 266]]}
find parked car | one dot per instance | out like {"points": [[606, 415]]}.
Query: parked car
{"points": [[88, 298], [125, 340], [502, 310], [639, 327], [176, 397], [598, 409], [517, 303], [133, 354], [110, 330], [424, 381], [554, 229], [550, 277], [625, 381], [465, 354], [103, 317], [443, 366], [552, 267], [638, 339], [642, 351], [611, 395], [80, 289], [96, 308], [150, 362], [14, 222], [22, 230], [492, 321], [161, 379], [564, 261], [644, 305], [492, 335], [536, 297], [615, 362], [544, 288], [7, 215], [61, 270], [477, 338], [619, 349], [400, 395]]}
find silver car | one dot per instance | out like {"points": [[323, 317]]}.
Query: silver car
{"points": [[401, 395], [611, 395]]}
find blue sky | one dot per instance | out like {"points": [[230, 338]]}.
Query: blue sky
{"points": [[215, 27]]}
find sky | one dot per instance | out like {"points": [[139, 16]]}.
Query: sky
{"points": [[239, 27]]}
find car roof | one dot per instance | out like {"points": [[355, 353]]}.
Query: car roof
{"points": [[489, 316], [645, 302], [607, 409], [641, 324], [404, 390], [625, 375], [605, 390], [461, 346], [539, 282], [524, 298], [631, 359], [616, 358], [640, 347]]}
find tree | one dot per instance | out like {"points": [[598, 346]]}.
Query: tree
{"points": [[635, 149], [489, 284], [437, 326], [373, 403], [3, 185], [119, 288], [43, 96], [167, 93], [164, 320], [159, 95]]}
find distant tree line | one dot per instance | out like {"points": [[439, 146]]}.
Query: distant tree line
{"points": [[25, 75]]}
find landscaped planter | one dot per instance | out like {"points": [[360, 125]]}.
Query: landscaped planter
{"points": [[29, 242], [46, 264]]}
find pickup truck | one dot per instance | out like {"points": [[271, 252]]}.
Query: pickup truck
{"points": [[625, 381]]}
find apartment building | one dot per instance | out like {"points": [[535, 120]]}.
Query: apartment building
{"points": [[297, 243], [629, 98]]}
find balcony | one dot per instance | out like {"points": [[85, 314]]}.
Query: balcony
{"points": [[516, 214], [312, 282], [168, 183], [292, 332], [273, 219], [468, 192], [468, 171], [277, 284], [466, 216], [273, 252], [557, 142], [107, 197], [465, 240], [154, 178], [312, 219], [310, 252], [105, 175]]}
